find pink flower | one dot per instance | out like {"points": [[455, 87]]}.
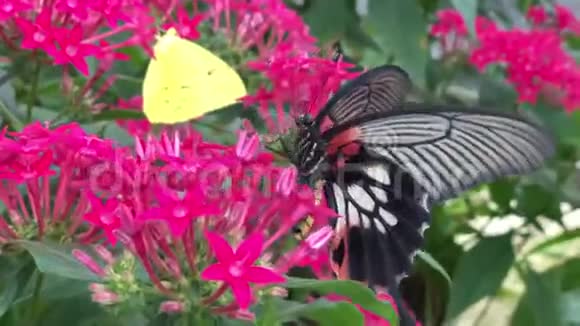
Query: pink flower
{"points": [[450, 31], [186, 27], [313, 252], [178, 213], [449, 21], [301, 81], [51, 166], [73, 50], [104, 216], [561, 20], [76, 8], [566, 20], [537, 15], [37, 35], [535, 62], [236, 269], [11, 8]]}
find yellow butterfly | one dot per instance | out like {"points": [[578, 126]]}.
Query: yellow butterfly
{"points": [[184, 81]]}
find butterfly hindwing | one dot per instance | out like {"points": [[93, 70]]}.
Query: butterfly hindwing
{"points": [[448, 150], [383, 218], [384, 222]]}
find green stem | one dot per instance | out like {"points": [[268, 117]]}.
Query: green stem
{"points": [[33, 90], [36, 305], [10, 118]]}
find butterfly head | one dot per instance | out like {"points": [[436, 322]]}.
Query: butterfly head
{"points": [[309, 149]]}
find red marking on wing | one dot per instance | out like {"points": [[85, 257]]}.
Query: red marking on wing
{"points": [[344, 141], [326, 124]]}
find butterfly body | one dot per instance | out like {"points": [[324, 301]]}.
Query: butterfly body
{"points": [[385, 161]]}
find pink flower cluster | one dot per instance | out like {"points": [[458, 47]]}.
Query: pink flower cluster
{"points": [[70, 31], [561, 19], [287, 56], [157, 200], [536, 61], [303, 83], [67, 33]]}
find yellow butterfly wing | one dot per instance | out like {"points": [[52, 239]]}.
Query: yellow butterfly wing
{"points": [[184, 81]]}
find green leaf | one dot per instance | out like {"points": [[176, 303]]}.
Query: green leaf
{"points": [[433, 263], [330, 19], [14, 275], [401, 31], [569, 270], [564, 125], [8, 294], [79, 310], [56, 288], [42, 114], [570, 307], [502, 192], [7, 92], [326, 313], [543, 297], [494, 91], [480, 272], [120, 135], [357, 292], [50, 94], [561, 239], [118, 115], [468, 9], [9, 118], [535, 200], [57, 260]]}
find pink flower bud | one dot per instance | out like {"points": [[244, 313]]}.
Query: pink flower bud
{"points": [[105, 254], [171, 306], [105, 297], [320, 238], [247, 146], [286, 182], [89, 262]]}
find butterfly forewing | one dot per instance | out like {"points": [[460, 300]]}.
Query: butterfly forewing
{"points": [[377, 90], [449, 150]]}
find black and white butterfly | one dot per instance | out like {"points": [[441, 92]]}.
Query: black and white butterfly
{"points": [[385, 162]]}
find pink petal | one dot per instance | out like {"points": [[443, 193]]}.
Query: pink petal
{"points": [[250, 249], [242, 293], [220, 247], [215, 272], [261, 275]]}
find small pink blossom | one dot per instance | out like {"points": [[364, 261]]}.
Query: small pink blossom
{"points": [[235, 267], [72, 49]]}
